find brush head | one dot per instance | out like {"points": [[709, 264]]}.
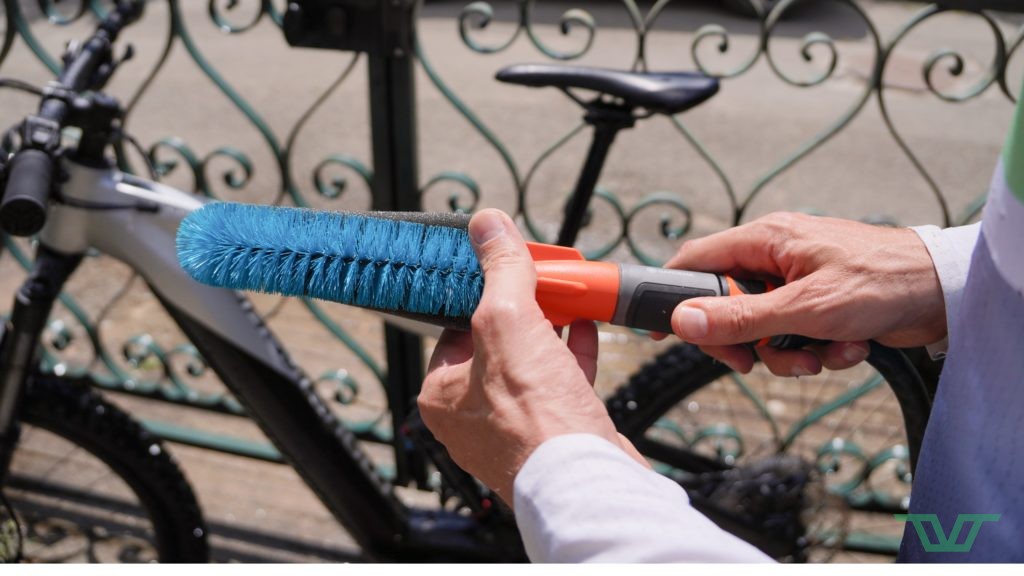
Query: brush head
{"points": [[417, 265]]}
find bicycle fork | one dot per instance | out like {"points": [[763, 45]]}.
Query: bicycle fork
{"points": [[21, 335]]}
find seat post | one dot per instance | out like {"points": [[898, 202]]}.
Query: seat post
{"points": [[607, 122]]}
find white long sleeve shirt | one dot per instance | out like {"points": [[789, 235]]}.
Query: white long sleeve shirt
{"points": [[951, 250], [578, 498]]}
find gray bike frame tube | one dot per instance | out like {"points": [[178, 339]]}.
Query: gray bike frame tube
{"points": [[145, 240]]}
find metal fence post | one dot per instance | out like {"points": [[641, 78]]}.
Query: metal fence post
{"points": [[384, 31], [393, 123]]}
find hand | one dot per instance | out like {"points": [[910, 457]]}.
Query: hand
{"points": [[495, 394], [844, 281]]}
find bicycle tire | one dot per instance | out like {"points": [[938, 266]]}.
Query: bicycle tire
{"points": [[682, 370], [71, 410]]}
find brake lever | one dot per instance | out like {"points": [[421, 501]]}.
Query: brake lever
{"points": [[107, 69]]}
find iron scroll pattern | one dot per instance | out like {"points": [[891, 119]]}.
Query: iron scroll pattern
{"points": [[864, 469], [142, 366], [579, 24]]}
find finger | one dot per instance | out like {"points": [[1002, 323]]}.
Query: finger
{"points": [[842, 355], [583, 345], [453, 347], [737, 357], [750, 247], [743, 318], [509, 273], [635, 454], [789, 362]]}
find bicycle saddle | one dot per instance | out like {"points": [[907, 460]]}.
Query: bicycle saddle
{"points": [[662, 92]]}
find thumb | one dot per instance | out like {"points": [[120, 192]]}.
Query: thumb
{"points": [[509, 272], [739, 319]]}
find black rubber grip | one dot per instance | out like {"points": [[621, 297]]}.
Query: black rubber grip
{"points": [[23, 209], [793, 341], [783, 341]]}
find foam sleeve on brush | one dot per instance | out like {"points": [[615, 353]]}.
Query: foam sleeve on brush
{"points": [[416, 265], [449, 219]]}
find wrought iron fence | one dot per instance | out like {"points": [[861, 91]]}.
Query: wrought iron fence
{"points": [[222, 63]]}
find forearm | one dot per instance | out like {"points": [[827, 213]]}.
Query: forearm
{"points": [[578, 498]]}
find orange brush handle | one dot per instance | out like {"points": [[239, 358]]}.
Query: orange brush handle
{"points": [[570, 288]]}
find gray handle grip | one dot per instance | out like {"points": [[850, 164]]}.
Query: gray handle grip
{"points": [[648, 296]]}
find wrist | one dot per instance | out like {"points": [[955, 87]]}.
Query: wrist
{"points": [[503, 486], [905, 277]]}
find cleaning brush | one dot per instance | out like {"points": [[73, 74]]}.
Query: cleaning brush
{"points": [[416, 265], [422, 266]]}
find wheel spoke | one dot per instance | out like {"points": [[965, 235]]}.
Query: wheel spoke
{"points": [[59, 462]]}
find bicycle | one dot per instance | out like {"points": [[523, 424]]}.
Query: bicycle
{"points": [[76, 200]]}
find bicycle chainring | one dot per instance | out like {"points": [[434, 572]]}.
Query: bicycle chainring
{"points": [[783, 496]]}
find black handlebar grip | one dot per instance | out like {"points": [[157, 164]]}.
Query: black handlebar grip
{"points": [[29, 180], [793, 341], [782, 341]]}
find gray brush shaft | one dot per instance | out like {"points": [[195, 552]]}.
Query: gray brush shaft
{"points": [[447, 219]]}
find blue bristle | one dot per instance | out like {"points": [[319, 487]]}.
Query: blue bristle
{"points": [[356, 259]]}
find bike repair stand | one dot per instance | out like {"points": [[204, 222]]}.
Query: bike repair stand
{"points": [[383, 30]]}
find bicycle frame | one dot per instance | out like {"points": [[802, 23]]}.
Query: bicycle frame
{"points": [[135, 221]]}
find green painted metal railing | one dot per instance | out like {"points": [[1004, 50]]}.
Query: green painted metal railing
{"points": [[142, 366]]}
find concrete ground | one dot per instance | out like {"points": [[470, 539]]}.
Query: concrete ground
{"points": [[754, 123]]}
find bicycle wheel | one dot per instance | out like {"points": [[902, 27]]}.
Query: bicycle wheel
{"points": [[824, 461], [86, 483]]}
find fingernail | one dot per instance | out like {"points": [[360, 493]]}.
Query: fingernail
{"points": [[799, 370], [692, 322], [486, 226], [855, 353]]}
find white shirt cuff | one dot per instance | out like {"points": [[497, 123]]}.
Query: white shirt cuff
{"points": [[579, 498], [951, 250]]}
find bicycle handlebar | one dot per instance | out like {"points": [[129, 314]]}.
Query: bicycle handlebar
{"points": [[31, 170], [23, 210]]}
